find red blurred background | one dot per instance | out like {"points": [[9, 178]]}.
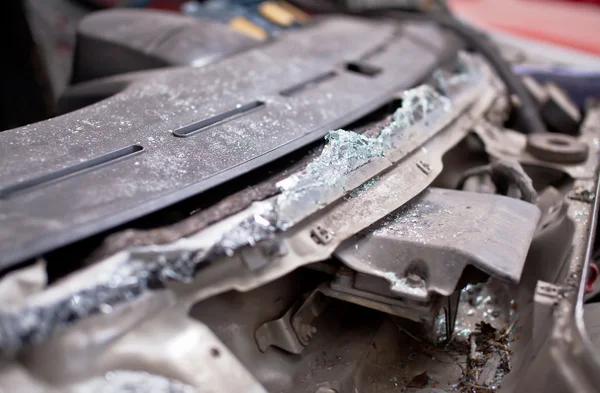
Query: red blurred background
{"points": [[572, 23]]}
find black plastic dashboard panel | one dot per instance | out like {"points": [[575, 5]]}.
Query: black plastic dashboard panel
{"points": [[178, 132], [123, 40]]}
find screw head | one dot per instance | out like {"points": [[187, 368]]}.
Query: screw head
{"points": [[307, 331], [414, 280]]}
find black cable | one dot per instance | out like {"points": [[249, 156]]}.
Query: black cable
{"points": [[527, 111]]}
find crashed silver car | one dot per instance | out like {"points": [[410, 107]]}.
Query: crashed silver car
{"points": [[369, 201]]}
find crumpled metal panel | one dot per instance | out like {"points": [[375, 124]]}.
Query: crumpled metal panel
{"points": [[326, 178], [438, 234], [140, 165], [128, 275]]}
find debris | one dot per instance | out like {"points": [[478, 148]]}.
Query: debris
{"points": [[511, 327], [582, 195], [483, 337], [473, 342], [478, 387], [486, 329], [489, 357], [346, 151], [419, 381], [488, 373]]}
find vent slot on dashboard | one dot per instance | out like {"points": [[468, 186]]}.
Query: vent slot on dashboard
{"points": [[201, 125], [363, 68], [308, 84], [73, 170]]}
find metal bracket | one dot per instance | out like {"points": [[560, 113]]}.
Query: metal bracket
{"points": [[545, 298], [279, 333], [313, 306], [293, 331], [439, 233]]}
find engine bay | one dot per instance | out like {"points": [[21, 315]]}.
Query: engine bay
{"points": [[365, 214]]}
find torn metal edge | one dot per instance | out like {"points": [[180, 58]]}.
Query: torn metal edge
{"points": [[322, 182]]}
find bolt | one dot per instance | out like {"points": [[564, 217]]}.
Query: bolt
{"points": [[414, 280], [307, 331]]}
